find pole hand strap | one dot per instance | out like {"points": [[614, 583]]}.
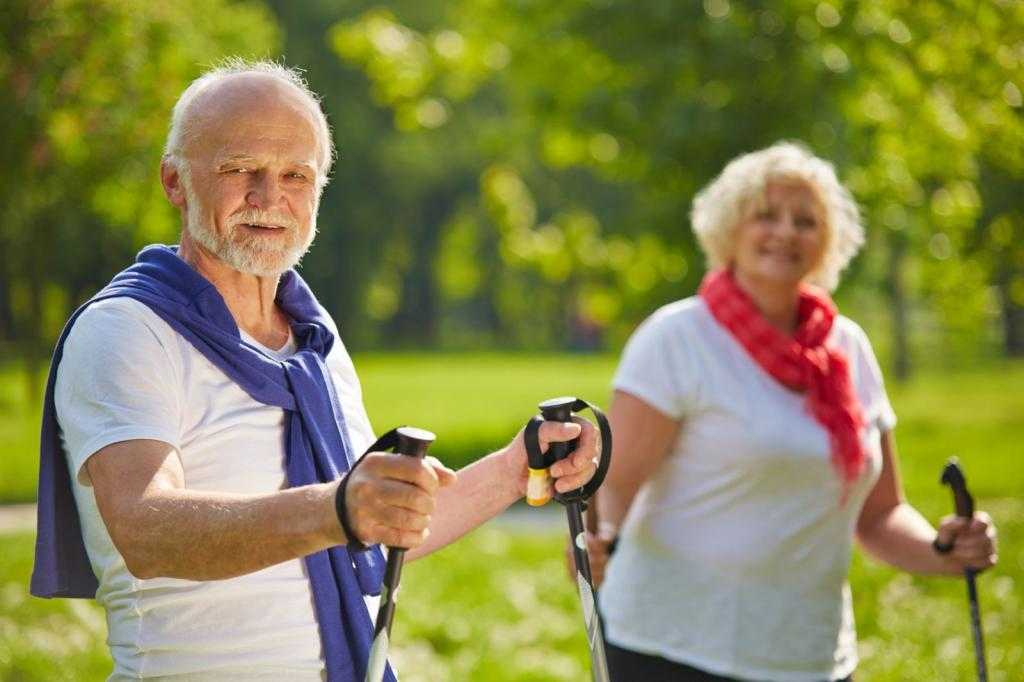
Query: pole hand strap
{"points": [[389, 441], [539, 488]]}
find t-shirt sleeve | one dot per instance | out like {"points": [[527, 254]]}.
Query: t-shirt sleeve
{"points": [[350, 394], [657, 367], [870, 384], [117, 381]]}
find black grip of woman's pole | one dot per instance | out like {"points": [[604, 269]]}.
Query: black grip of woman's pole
{"points": [[953, 476]]}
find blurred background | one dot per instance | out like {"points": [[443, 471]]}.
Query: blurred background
{"points": [[511, 198]]}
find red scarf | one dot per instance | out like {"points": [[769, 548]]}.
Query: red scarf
{"points": [[802, 362]]}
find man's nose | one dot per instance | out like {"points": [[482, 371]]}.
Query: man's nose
{"points": [[265, 192]]}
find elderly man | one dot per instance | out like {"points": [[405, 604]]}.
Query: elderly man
{"points": [[202, 413]]}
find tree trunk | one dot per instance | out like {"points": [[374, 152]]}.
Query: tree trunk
{"points": [[1012, 318], [901, 365]]}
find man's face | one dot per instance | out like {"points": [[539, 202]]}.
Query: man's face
{"points": [[251, 187]]}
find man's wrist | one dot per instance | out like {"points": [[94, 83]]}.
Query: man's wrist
{"points": [[512, 471], [341, 511], [941, 548]]}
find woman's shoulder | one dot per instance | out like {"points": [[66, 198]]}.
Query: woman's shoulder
{"points": [[683, 312], [850, 336], [845, 327]]}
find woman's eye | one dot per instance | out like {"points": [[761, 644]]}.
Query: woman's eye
{"points": [[766, 215]]}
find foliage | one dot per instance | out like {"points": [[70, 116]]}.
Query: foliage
{"points": [[595, 123], [87, 87]]}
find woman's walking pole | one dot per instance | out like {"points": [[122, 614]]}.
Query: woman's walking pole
{"points": [[954, 478]]}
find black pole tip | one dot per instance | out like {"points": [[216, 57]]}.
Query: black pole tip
{"points": [[952, 474], [564, 401], [413, 433]]}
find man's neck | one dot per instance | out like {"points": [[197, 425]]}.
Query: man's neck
{"points": [[778, 302], [250, 298]]}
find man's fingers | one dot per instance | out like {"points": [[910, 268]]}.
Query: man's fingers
{"points": [[583, 458], [557, 432], [590, 442], [401, 495], [566, 483], [405, 539], [445, 476], [418, 472], [401, 519]]}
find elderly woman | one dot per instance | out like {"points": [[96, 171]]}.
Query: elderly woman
{"points": [[753, 442]]}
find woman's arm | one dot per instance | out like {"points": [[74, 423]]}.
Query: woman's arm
{"points": [[641, 437], [890, 529]]}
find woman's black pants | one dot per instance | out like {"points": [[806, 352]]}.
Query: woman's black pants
{"points": [[626, 665]]}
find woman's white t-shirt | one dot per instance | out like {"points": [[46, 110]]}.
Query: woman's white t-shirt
{"points": [[126, 375], [734, 554]]}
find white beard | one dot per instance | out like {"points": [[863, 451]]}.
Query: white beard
{"points": [[246, 253]]}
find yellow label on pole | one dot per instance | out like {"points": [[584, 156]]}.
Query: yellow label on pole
{"points": [[538, 487]]}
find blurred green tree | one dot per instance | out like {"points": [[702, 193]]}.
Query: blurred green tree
{"points": [[87, 87], [594, 123]]}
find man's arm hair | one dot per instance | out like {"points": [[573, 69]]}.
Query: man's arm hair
{"points": [[163, 529]]}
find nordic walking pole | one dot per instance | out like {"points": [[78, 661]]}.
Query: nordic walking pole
{"points": [[411, 442], [954, 478], [539, 492]]}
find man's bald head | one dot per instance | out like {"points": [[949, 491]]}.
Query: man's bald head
{"points": [[238, 84]]}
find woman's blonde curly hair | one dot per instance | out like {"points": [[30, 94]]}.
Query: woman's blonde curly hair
{"points": [[720, 207]]}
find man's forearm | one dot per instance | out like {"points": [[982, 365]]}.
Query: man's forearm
{"points": [[482, 490], [198, 535]]}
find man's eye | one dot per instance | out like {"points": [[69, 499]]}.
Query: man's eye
{"points": [[297, 176], [766, 215]]}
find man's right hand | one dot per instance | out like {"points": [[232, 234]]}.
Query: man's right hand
{"points": [[390, 498]]}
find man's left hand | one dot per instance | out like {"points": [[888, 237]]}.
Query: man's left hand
{"points": [[570, 473]]}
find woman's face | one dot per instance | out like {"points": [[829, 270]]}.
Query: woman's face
{"points": [[783, 237]]}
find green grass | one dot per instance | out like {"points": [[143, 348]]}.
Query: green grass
{"points": [[497, 605], [473, 402], [19, 434]]}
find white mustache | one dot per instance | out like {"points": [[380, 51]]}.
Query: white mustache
{"points": [[257, 217]]}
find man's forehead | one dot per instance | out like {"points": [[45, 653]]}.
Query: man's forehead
{"points": [[249, 109]]}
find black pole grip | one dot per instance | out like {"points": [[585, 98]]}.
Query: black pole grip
{"points": [[410, 442], [413, 442], [953, 476], [559, 410]]}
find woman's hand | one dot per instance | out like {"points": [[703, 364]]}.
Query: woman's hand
{"points": [[973, 541], [598, 552]]}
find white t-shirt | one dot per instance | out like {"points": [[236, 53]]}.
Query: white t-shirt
{"points": [[125, 375], [734, 554]]}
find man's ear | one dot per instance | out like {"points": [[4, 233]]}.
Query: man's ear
{"points": [[170, 178]]}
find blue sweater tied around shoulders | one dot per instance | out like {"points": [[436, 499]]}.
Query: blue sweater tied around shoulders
{"points": [[318, 449]]}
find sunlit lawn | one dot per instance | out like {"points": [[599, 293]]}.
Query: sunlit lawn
{"points": [[498, 607]]}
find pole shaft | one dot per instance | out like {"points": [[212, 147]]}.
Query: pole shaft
{"points": [[979, 644], [588, 595], [389, 593]]}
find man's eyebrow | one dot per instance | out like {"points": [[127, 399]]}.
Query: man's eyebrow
{"points": [[236, 158], [246, 158]]}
